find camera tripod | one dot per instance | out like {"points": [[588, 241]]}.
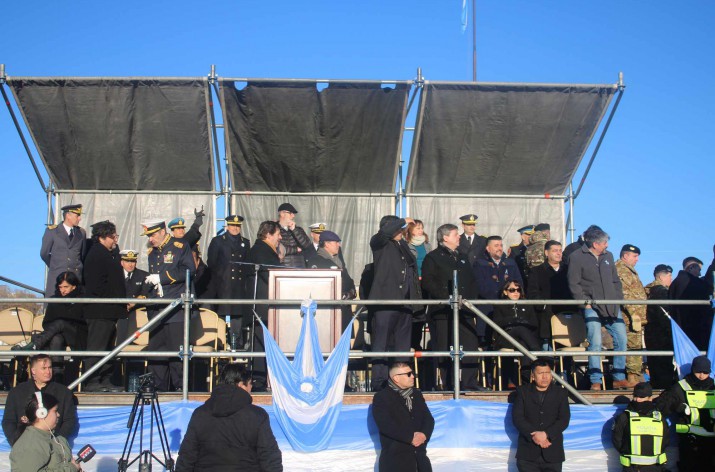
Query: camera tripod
{"points": [[146, 397]]}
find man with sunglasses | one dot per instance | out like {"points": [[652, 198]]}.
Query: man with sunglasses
{"points": [[404, 422]]}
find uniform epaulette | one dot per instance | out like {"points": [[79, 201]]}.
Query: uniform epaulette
{"points": [[515, 245], [149, 251], [51, 226], [178, 244]]}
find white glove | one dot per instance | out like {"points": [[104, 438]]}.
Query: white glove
{"points": [[160, 290], [153, 279], [687, 410]]}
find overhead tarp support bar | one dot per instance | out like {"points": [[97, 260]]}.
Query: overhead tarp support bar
{"points": [[120, 133], [503, 139], [288, 136]]}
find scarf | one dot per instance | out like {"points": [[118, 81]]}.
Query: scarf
{"points": [[326, 255], [418, 240], [405, 393]]}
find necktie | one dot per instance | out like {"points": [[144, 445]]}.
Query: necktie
{"points": [[129, 276], [71, 234], [469, 238]]}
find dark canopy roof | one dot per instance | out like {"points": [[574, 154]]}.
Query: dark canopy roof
{"points": [[119, 134], [291, 137], [508, 139]]}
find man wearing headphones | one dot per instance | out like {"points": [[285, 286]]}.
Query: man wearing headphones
{"points": [[40, 381]]}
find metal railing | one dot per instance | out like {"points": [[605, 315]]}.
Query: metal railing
{"points": [[457, 303]]}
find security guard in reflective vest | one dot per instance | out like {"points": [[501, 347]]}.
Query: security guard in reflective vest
{"points": [[693, 400], [640, 434]]}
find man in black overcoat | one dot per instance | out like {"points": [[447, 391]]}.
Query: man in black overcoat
{"points": [[404, 421], [471, 244], [541, 415]]}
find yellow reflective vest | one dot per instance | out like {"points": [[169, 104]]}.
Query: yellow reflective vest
{"points": [[640, 428], [701, 403]]}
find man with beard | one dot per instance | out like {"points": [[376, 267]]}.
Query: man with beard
{"points": [[658, 335], [693, 401], [103, 278], [226, 257], [696, 320]]}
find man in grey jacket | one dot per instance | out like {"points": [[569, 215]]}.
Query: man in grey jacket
{"points": [[592, 275]]}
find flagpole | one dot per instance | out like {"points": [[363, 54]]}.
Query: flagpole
{"points": [[474, 41]]}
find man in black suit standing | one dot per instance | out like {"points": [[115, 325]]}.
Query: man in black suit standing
{"points": [[404, 421], [471, 244]]}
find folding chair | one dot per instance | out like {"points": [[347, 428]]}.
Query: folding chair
{"points": [[15, 327], [208, 334], [568, 333]]}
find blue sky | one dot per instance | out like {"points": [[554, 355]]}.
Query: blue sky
{"points": [[648, 187]]}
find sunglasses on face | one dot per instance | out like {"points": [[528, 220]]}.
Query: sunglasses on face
{"points": [[409, 374], [512, 290]]}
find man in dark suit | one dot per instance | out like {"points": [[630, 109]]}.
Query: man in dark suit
{"points": [[395, 278], [541, 415], [134, 279], [404, 421], [437, 283], [103, 278], [471, 244], [64, 247]]}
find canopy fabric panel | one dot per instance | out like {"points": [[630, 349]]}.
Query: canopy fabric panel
{"points": [[354, 219], [291, 137], [503, 139], [497, 216], [119, 134], [129, 211]]}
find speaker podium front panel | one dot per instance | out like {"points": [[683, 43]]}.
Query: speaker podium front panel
{"points": [[285, 322]]}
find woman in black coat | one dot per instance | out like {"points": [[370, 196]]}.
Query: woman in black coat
{"points": [[519, 321]]}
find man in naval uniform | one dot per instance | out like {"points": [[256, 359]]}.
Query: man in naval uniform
{"points": [[169, 259], [134, 279], [471, 244], [64, 247], [226, 255]]}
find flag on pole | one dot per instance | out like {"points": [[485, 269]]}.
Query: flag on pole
{"points": [[464, 16], [308, 392], [683, 349]]}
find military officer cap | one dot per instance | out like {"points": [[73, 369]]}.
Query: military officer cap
{"points": [[542, 227], [317, 227], [177, 223], [470, 219], [662, 268], [630, 248], [643, 390], [528, 229], [129, 255], [234, 220], [287, 207], [152, 227], [326, 236], [76, 209]]}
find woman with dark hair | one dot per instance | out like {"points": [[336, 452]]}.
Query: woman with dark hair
{"points": [[36, 447], [64, 323], [519, 321]]}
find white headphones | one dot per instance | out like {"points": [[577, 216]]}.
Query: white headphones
{"points": [[41, 411]]}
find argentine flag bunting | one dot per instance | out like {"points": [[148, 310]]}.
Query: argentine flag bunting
{"points": [[308, 392], [683, 349]]}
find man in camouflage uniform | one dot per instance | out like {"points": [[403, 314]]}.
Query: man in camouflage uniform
{"points": [[634, 316], [535, 255]]}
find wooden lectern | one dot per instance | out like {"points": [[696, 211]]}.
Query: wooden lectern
{"points": [[285, 322]]}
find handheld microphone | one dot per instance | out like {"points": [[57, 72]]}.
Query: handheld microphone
{"points": [[85, 454]]}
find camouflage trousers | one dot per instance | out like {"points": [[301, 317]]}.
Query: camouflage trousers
{"points": [[634, 364]]}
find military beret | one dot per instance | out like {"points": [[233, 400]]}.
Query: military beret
{"points": [[542, 227], [326, 236], [129, 255], [177, 223], [317, 227], [234, 220], [152, 227], [662, 268], [643, 390], [529, 229], [630, 248], [287, 207], [469, 219], [76, 209]]}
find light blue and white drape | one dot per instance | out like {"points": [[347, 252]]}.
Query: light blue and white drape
{"points": [[308, 392]]}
